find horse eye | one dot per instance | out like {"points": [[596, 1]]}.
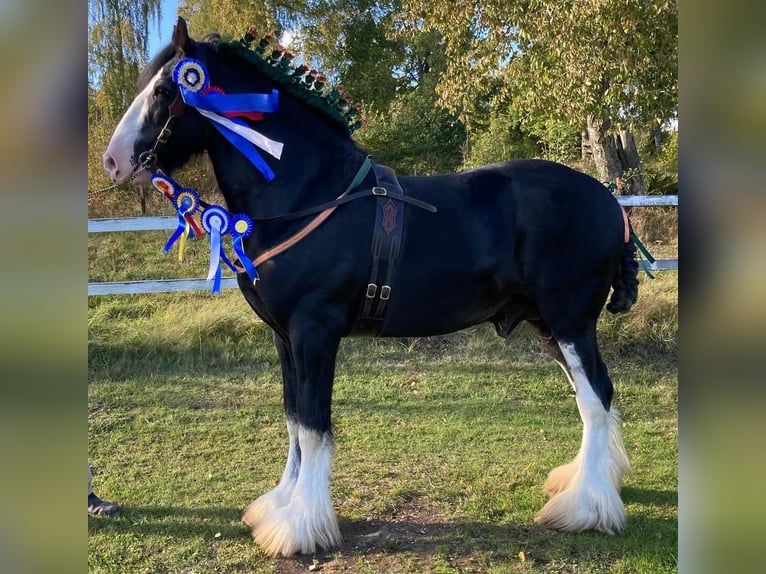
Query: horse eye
{"points": [[161, 91]]}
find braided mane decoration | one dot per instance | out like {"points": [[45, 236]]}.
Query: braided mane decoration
{"points": [[273, 61]]}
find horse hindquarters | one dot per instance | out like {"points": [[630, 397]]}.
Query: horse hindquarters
{"points": [[297, 516]]}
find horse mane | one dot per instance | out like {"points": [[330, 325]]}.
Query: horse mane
{"points": [[274, 62]]}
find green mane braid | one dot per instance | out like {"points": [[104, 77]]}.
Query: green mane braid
{"points": [[273, 61]]}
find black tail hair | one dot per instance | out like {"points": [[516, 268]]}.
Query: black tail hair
{"points": [[625, 283]]}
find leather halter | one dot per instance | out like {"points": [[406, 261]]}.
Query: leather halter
{"points": [[148, 159]]}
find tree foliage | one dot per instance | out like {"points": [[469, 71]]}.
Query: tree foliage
{"points": [[232, 18], [351, 39], [415, 135], [611, 59], [118, 34], [523, 76]]}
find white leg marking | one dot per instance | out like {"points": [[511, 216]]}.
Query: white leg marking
{"points": [[298, 516], [279, 496], [120, 148], [586, 491]]}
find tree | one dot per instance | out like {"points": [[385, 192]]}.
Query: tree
{"points": [[352, 40], [414, 134], [608, 64], [232, 18], [118, 32]]}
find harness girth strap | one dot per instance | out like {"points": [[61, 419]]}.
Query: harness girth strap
{"points": [[385, 248]]}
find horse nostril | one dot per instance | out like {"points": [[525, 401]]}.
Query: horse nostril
{"points": [[110, 165]]}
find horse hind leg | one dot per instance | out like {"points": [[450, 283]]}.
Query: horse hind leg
{"points": [[585, 492], [560, 477]]}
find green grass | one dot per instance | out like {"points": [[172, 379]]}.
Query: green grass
{"points": [[442, 444]]}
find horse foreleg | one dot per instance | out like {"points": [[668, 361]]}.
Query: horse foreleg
{"points": [[585, 492], [280, 496], [298, 516], [259, 510]]}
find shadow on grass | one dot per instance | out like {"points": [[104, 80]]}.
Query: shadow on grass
{"points": [[173, 521], [424, 534], [663, 498]]}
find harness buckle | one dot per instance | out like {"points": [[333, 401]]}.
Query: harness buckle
{"points": [[379, 191], [372, 289], [385, 293]]}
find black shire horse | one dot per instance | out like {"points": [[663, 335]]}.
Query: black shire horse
{"points": [[521, 240]]}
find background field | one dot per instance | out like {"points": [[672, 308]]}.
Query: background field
{"points": [[442, 444]]}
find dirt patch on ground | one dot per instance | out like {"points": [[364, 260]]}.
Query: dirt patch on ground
{"points": [[412, 527]]}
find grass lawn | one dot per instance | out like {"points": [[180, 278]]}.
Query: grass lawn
{"points": [[442, 444]]}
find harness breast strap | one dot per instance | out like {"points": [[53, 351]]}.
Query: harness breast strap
{"points": [[385, 249]]}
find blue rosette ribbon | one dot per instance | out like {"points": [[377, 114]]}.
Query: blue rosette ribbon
{"points": [[187, 203], [216, 221], [241, 228], [194, 83]]}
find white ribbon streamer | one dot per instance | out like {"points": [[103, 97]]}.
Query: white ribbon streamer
{"points": [[271, 147], [215, 247]]}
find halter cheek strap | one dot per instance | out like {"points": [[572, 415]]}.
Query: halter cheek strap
{"points": [[177, 107]]}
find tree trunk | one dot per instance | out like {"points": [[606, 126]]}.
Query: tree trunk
{"points": [[657, 133], [616, 158], [584, 145], [603, 150], [635, 183]]}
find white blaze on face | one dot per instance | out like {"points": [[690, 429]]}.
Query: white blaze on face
{"points": [[120, 149]]}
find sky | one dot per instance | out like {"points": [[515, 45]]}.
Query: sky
{"points": [[157, 41]]}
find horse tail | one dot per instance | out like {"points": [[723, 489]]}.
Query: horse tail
{"points": [[625, 281]]}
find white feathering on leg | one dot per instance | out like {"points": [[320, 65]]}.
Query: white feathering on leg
{"points": [[306, 520], [586, 491]]}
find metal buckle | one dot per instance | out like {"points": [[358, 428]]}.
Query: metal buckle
{"points": [[146, 159], [164, 135], [385, 292], [379, 191], [372, 289]]}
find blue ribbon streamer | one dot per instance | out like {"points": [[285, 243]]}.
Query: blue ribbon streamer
{"points": [[225, 103], [247, 263], [225, 259], [180, 230], [221, 103], [246, 147], [217, 277], [215, 258]]}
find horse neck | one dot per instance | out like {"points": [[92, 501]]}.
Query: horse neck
{"points": [[317, 164]]}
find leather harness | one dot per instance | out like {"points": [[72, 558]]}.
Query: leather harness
{"points": [[385, 249], [386, 243]]}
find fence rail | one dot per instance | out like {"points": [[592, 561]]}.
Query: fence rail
{"points": [[168, 223]]}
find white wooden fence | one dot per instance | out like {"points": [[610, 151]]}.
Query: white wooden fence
{"points": [[170, 223]]}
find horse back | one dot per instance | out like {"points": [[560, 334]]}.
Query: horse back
{"points": [[512, 231]]}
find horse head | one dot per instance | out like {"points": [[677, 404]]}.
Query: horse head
{"points": [[158, 130], [212, 95]]}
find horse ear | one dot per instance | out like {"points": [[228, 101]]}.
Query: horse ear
{"points": [[180, 36]]}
